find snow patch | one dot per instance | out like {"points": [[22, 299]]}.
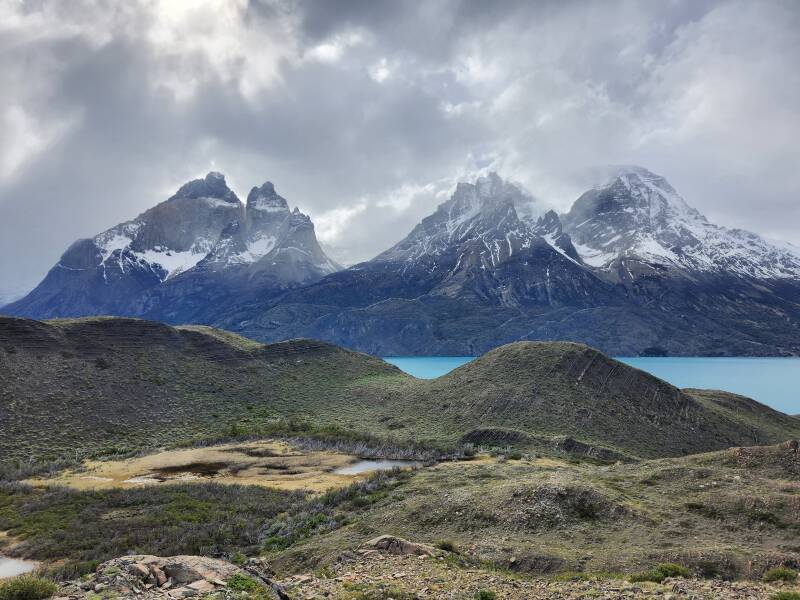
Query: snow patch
{"points": [[172, 261], [594, 257], [268, 204], [256, 250]]}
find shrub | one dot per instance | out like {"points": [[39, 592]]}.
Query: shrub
{"points": [[572, 576], [780, 574], [485, 595], [592, 576], [673, 570], [26, 587], [447, 546], [785, 596], [364, 591], [242, 583], [652, 575], [660, 573]]}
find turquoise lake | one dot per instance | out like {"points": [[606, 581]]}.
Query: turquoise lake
{"points": [[772, 381]]}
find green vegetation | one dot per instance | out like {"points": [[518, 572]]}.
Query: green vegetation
{"points": [[593, 576], [660, 573], [243, 586], [318, 515], [549, 499], [95, 379], [26, 587], [447, 546], [90, 527], [242, 583], [785, 596], [485, 595], [545, 516], [779, 574], [365, 591]]}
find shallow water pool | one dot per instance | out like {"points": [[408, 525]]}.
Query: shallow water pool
{"points": [[11, 567], [365, 466]]}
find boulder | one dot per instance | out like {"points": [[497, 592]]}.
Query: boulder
{"points": [[174, 576], [792, 445], [395, 545]]}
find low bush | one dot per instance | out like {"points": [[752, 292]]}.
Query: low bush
{"points": [[780, 574], [660, 573], [366, 591], [242, 583], [485, 595], [785, 596], [592, 576], [447, 546], [26, 587]]}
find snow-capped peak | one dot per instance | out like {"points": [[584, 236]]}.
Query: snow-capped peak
{"points": [[481, 214], [212, 186], [266, 199], [638, 215]]}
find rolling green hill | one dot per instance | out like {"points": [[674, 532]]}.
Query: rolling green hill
{"points": [[72, 387]]}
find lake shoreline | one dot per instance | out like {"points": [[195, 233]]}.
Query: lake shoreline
{"points": [[768, 380]]}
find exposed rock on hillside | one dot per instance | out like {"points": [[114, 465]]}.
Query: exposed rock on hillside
{"points": [[178, 259], [145, 576]]}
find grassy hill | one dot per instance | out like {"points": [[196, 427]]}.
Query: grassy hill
{"points": [[561, 388], [729, 514], [725, 514], [100, 384]]}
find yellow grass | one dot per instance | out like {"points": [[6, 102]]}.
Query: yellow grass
{"points": [[292, 469]]}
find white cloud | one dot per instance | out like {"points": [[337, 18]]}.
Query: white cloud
{"points": [[332, 224], [380, 71], [332, 50], [23, 136], [365, 115]]}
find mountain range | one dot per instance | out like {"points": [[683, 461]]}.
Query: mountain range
{"points": [[631, 269]]}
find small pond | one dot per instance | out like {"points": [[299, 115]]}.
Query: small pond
{"points": [[365, 466], [10, 567]]}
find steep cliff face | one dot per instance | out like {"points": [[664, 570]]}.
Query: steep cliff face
{"points": [[200, 241]]}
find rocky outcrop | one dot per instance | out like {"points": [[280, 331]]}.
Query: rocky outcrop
{"points": [[180, 259], [395, 545], [174, 577]]}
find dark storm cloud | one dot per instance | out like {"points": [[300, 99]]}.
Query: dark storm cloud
{"points": [[365, 113]]}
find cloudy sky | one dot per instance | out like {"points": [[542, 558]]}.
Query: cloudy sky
{"points": [[365, 113]]}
